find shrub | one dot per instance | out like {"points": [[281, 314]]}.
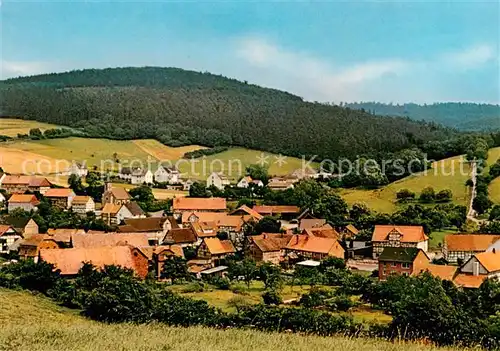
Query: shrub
{"points": [[444, 195], [196, 287], [405, 195], [271, 297], [427, 195], [221, 283]]}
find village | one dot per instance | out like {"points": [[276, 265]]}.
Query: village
{"points": [[204, 233]]}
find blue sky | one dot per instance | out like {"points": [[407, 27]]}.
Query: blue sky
{"points": [[392, 51]]}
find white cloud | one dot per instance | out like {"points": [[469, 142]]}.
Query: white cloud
{"points": [[471, 57], [310, 77], [387, 80], [22, 68]]}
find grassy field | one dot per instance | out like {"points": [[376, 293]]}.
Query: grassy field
{"points": [[436, 238], [494, 188], [11, 127], [162, 152], [253, 295], [450, 173], [233, 162], [37, 324]]}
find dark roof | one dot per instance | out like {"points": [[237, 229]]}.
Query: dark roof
{"points": [[182, 235], [151, 224], [399, 254], [15, 222], [134, 208]]}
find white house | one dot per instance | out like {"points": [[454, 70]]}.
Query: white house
{"points": [[218, 180], [136, 175], [170, 175], [2, 177], [77, 168], [244, 182], [83, 204], [26, 202], [114, 214]]}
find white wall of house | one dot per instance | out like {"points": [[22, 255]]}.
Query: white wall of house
{"points": [[25, 206], [243, 183], [83, 208]]}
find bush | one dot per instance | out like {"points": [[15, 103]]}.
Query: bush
{"points": [[340, 303], [272, 297], [427, 195], [405, 195], [444, 195], [221, 283], [196, 287]]}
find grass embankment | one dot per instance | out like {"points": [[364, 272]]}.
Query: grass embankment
{"points": [[35, 323], [451, 173], [494, 187]]}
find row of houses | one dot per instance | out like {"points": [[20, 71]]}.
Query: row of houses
{"points": [[413, 261]]}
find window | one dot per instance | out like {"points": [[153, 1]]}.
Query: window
{"points": [[406, 265], [394, 264]]}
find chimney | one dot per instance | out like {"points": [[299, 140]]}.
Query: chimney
{"points": [[494, 250], [107, 186]]}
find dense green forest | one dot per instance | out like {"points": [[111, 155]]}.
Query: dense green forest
{"points": [[463, 116], [179, 107]]}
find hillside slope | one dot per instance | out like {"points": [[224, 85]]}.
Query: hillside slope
{"points": [[179, 107], [464, 116], [35, 323]]}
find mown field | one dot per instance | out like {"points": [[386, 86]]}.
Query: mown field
{"points": [[11, 126], [56, 154], [494, 188], [35, 323], [451, 173]]}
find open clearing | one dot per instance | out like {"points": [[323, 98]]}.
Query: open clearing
{"points": [[451, 173], [11, 126], [234, 161], [26, 162], [35, 323], [162, 152]]}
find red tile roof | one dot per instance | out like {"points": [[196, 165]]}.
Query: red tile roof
{"points": [[109, 239], [81, 199], [489, 260], [269, 242], [469, 242], [24, 199], [196, 203], [267, 210], [61, 192], [409, 234], [313, 244], [217, 247], [69, 261], [469, 281], [26, 180]]}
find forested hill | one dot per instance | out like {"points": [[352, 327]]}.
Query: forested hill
{"points": [[464, 116], [180, 107]]}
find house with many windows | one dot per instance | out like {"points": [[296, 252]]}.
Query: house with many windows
{"points": [[458, 248], [398, 236], [401, 260]]}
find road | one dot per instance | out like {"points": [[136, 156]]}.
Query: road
{"points": [[471, 214]]}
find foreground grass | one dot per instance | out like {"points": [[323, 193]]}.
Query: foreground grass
{"points": [[36, 323], [450, 173]]}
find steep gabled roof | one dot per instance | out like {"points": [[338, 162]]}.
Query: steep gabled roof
{"points": [[64, 235], [440, 271], [25, 180], [323, 232], [279, 209], [198, 203], [469, 242], [59, 192], [119, 193], [314, 244], [110, 209], [409, 233], [69, 261], [217, 247], [489, 260], [134, 208], [150, 224], [181, 236], [469, 281], [24, 199], [109, 239], [269, 242], [81, 199], [249, 211], [308, 223], [399, 254]]}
